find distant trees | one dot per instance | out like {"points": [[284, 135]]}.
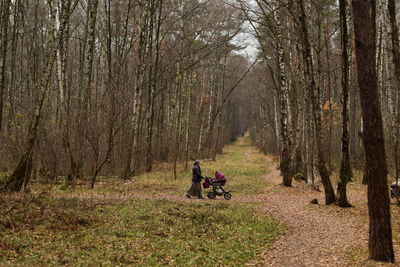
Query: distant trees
{"points": [[91, 88], [314, 92], [114, 87], [321, 106], [317, 111], [297, 88]]}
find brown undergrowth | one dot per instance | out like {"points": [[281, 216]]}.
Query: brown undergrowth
{"points": [[78, 223]]}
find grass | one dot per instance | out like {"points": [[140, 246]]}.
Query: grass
{"points": [[41, 231], [243, 166], [93, 227]]}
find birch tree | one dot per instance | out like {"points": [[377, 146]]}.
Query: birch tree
{"points": [[22, 172]]}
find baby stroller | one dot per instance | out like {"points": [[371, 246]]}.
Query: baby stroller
{"points": [[217, 184]]}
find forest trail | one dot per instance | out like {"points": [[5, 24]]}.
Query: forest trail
{"points": [[107, 88], [315, 235]]}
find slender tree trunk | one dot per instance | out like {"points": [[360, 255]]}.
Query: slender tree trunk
{"points": [[396, 63], [89, 53], [380, 230], [65, 116], [283, 96], [345, 161], [131, 162], [276, 122], [328, 49], [180, 83], [151, 93], [154, 67], [13, 60], [314, 93], [3, 53], [87, 85]]}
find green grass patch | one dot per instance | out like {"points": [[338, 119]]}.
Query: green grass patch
{"points": [[45, 231], [243, 165], [108, 226]]}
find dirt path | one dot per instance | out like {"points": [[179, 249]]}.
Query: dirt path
{"points": [[314, 237], [317, 235]]}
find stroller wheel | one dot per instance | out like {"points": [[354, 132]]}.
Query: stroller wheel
{"points": [[227, 196], [211, 195]]}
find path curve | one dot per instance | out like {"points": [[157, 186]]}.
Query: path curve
{"points": [[317, 235]]}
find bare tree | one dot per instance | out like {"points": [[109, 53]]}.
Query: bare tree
{"points": [[345, 170], [314, 93], [380, 231], [5, 13], [22, 172]]}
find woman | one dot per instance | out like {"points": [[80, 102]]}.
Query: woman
{"points": [[195, 189]]}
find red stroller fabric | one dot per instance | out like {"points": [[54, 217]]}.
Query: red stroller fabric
{"points": [[206, 183], [219, 177]]}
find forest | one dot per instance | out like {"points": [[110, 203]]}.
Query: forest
{"points": [[106, 104]]}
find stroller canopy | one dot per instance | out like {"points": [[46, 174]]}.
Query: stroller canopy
{"points": [[218, 179], [219, 176]]}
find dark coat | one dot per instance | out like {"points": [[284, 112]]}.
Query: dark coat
{"points": [[196, 171]]}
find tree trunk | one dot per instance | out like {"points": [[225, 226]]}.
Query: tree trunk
{"points": [[155, 24], [380, 231], [131, 162], [3, 53], [65, 116], [345, 161], [283, 96], [314, 93], [23, 169], [396, 63], [89, 53]]}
